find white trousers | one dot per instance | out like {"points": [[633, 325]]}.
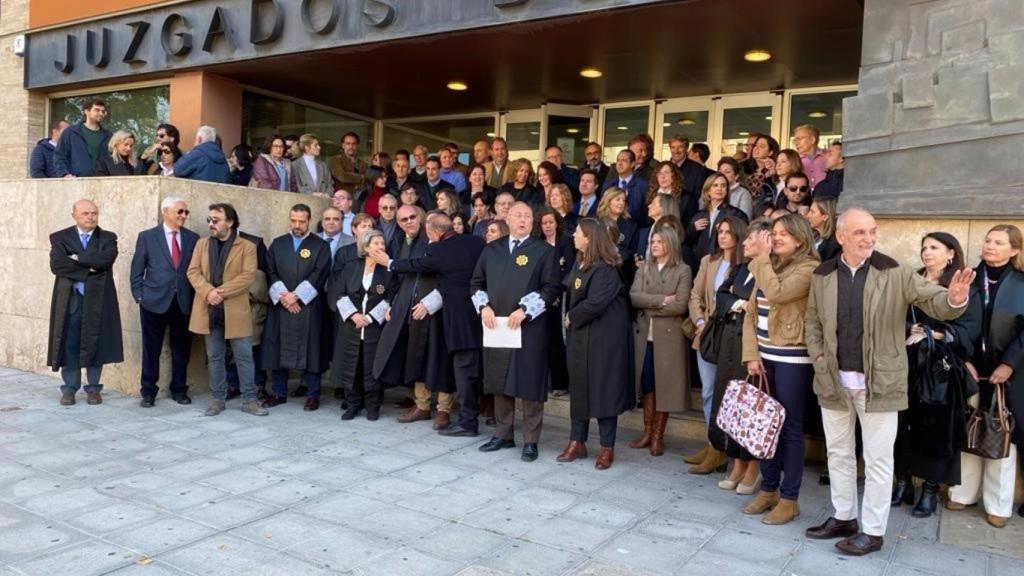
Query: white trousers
{"points": [[879, 435], [992, 481]]}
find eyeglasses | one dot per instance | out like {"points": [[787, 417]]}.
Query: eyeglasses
{"points": [[183, 212], [210, 220], [407, 219], [165, 151], [389, 208], [803, 188]]}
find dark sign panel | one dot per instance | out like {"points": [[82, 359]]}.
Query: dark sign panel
{"points": [[206, 32]]}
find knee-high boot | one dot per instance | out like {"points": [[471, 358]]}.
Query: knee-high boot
{"points": [[645, 440]]}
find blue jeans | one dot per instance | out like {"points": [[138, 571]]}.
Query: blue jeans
{"points": [[241, 348], [73, 379], [279, 382], [707, 385], [789, 384]]}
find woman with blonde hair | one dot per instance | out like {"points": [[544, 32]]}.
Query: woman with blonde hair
{"points": [[613, 207], [120, 159], [822, 218], [774, 349], [522, 186], [448, 202], [309, 172], [701, 234], [660, 294]]}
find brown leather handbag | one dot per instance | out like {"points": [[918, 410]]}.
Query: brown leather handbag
{"points": [[989, 431]]}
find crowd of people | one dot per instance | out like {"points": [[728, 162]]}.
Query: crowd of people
{"points": [[485, 287]]}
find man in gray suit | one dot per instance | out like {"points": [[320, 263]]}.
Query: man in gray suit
{"points": [[309, 172]]}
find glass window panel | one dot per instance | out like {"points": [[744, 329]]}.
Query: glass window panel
{"points": [[621, 124], [739, 123], [138, 111], [571, 134], [523, 139], [822, 110], [434, 134], [691, 125], [264, 115]]}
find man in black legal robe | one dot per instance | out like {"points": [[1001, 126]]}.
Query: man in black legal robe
{"points": [[298, 265], [85, 322], [412, 342], [452, 257], [517, 277]]}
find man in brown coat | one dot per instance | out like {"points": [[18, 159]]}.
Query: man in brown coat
{"points": [[222, 269], [348, 169]]}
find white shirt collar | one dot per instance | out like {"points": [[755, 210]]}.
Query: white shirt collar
{"points": [[167, 231], [80, 232]]}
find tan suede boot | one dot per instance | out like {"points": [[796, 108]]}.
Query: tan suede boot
{"points": [[763, 502], [783, 513], [712, 462], [645, 440], [698, 457]]}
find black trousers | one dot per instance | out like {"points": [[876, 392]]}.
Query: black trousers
{"points": [[154, 326], [608, 427], [364, 391], [468, 386]]}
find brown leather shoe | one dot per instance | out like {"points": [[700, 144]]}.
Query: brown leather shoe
{"points": [[311, 405], [658, 424], [955, 506], [784, 512], [67, 399], [996, 521], [833, 528], [605, 457], [645, 440], [763, 502], [860, 544], [93, 398], [272, 401], [442, 420], [574, 451], [413, 414]]}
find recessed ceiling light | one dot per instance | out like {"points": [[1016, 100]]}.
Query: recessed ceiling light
{"points": [[744, 133], [457, 85], [535, 133], [490, 134], [817, 114], [687, 122], [622, 127], [572, 130], [757, 55], [666, 124], [768, 118], [591, 73]]}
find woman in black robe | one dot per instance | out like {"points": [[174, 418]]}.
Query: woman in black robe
{"points": [[929, 436], [550, 227], [362, 291], [598, 328]]}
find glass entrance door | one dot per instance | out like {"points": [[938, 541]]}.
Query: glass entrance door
{"points": [[740, 116], [567, 127]]}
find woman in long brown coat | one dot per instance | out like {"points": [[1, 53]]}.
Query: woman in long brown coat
{"points": [[660, 293]]}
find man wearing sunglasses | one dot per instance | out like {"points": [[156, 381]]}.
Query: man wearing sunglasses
{"points": [[161, 288]]}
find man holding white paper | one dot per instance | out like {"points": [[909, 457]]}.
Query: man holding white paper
{"points": [[516, 280]]}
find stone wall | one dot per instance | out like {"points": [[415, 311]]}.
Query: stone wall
{"points": [[937, 127], [22, 113], [30, 210]]}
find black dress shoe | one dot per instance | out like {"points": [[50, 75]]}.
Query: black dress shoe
{"points": [[496, 443], [529, 452], [183, 399], [833, 528], [300, 392], [903, 491], [860, 544], [373, 413], [458, 431], [928, 502], [351, 412], [147, 402], [232, 393]]}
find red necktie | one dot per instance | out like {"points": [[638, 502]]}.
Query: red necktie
{"points": [[175, 250]]}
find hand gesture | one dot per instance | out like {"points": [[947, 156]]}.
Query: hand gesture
{"points": [[755, 368], [419, 311], [387, 315], [769, 167], [294, 308], [360, 320], [701, 224], [213, 298], [960, 286], [668, 299], [487, 315], [1001, 374], [764, 239], [516, 319]]}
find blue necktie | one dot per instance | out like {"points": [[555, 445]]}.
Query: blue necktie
{"points": [[622, 184], [515, 244], [80, 286]]}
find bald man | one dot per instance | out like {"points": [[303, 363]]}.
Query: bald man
{"points": [[85, 322]]}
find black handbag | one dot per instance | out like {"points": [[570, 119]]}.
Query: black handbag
{"points": [[989, 431], [711, 338], [937, 369]]}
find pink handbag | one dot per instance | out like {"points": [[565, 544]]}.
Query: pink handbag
{"points": [[751, 417]]}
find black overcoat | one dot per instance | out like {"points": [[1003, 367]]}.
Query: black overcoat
{"points": [[408, 347], [101, 317], [348, 282], [600, 374], [507, 277], [295, 341]]}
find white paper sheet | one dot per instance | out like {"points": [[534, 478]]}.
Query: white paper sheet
{"points": [[502, 336]]}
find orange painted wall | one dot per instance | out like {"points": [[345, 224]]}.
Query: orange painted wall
{"points": [[50, 12], [199, 98]]}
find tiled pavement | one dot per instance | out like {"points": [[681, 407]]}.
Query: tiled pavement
{"points": [[115, 489]]}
